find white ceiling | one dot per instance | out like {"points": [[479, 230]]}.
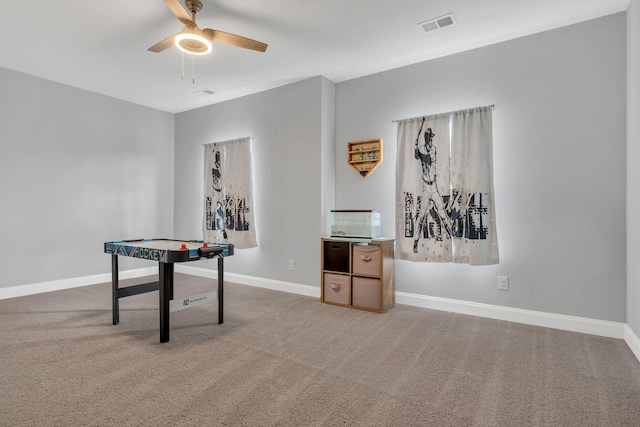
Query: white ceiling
{"points": [[101, 45]]}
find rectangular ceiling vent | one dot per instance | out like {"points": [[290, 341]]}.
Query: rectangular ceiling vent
{"points": [[437, 23], [205, 92]]}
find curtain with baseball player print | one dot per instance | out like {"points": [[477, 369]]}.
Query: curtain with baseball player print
{"points": [[228, 193], [444, 188]]}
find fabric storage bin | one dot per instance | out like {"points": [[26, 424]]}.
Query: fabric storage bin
{"points": [[366, 293], [367, 260], [337, 289], [336, 256]]}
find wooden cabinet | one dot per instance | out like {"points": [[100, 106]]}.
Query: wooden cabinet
{"points": [[358, 274]]}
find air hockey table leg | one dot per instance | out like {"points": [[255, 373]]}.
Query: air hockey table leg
{"points": [[114, 289], [220, 289], [165, 288]]}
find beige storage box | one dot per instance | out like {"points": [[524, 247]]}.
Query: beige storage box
{"points": [[366, 293], [337, 289], [367, 260]]}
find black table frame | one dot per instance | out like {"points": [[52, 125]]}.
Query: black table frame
{"points": [[165, 287]]}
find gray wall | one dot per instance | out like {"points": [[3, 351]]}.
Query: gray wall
{"points": [[328, 165], [289, 134], [73, 159], [633, 166], [77, 169], [559, 155]]}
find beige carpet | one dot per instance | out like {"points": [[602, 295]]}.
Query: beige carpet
{"points": [[286, 360]]}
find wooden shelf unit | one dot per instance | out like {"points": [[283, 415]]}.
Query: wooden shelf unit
{"points": [[364, 156], [358, 274]]}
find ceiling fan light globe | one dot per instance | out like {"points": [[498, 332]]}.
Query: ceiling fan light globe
{"points": [[193, 44]]}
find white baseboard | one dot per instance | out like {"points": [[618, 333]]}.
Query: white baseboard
{"points": [[632, 341], [537, 318], [259, 282], [75, 282], [529, 317]]}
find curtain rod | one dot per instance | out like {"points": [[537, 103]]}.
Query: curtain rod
{"points": [[493, 107], [229, 140]]}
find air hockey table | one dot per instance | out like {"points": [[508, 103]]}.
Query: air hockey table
{"points": [[167, 252]]}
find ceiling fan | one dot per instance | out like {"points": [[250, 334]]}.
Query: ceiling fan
{"points": [[197, 41]]}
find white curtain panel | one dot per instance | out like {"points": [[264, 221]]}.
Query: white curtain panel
{"points": [[228, 194], [472, 178], [444, 188]]}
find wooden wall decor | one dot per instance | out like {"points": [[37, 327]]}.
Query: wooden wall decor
{"points": [[365, 156]]}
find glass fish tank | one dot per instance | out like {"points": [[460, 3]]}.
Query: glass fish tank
{"points": [[358, 224]]}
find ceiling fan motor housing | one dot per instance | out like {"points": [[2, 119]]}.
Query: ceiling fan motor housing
{"points": [[193, 5]]}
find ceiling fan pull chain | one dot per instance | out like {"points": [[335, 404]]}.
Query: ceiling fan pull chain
{"points": [[193, 68], [182, 65]]}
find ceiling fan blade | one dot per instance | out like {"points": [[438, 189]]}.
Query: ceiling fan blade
{"points": [[233, 40], [180, 12], [164, 44]]}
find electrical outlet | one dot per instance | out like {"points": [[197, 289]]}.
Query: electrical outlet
{"points": [[291, 264], [503, 283]]}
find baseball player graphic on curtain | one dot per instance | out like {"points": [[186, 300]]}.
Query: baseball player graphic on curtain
{"points": [[430, 197], [422, 177], [228, 195]]}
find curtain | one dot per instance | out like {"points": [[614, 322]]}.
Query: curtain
{"points": [[228, 193], [444, 188]]}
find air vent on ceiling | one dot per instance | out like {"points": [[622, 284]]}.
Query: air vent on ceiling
{"points": [[204, 92], [437, 23]]}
